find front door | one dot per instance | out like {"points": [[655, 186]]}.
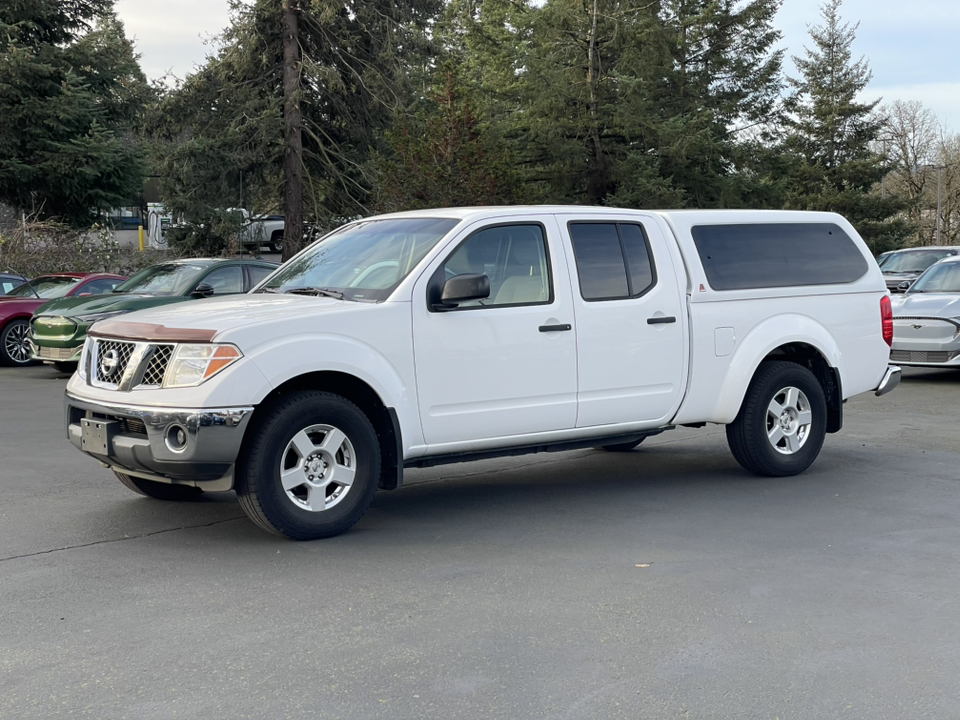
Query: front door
{"points": [[505, 365]]}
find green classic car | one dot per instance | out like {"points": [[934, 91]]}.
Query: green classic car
{"points": [[59, 327]]}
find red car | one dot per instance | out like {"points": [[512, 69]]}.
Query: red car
{"points": [[17, 306]]}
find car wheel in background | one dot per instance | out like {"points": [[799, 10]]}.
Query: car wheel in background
{"points": [[14, 346], [276, 242]]}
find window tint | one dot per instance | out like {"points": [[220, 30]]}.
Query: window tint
{"points": [[513, 257], [225, 280], [737, 257], [258, 274], [613, 260]]}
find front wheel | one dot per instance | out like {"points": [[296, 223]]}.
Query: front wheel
{"points": [[158, 490], [310, 468], [781, 425], [14, 345]]}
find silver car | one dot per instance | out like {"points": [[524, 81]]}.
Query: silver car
{"points": [[926, 318]]}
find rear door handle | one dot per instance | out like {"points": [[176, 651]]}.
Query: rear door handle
{"points": [[663, 320], [555, 328]]}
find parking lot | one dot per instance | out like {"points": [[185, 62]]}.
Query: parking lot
{"points": [[664, 582]]}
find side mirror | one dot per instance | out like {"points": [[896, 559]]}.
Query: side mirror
{"points": [[463, 288], [202, 290], [905, 285]]}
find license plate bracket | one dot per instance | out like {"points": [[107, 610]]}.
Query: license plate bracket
{"points": [[96, 435]]}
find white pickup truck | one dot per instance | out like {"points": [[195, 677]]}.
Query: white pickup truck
{"points": [[439, 336]]}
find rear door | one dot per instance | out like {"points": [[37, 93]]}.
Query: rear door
{"points": [[630, 320], [506, 365]]}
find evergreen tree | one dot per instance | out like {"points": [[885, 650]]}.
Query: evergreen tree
{"points": [[71, 97], [833, 136], [224, 123]]}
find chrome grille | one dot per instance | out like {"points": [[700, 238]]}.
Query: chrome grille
{"points": [[111, 360], [157, 367], [924, 356]]}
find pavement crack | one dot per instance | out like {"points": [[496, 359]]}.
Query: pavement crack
{"points": [[114, 540]]}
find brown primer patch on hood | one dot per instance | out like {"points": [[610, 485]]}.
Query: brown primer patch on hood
{"points": [[150, 332]]}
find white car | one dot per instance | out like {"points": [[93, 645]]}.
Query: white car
{"points": [[926, 318], [447, 335]]}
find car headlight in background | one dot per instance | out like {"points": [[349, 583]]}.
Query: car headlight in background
{"points": [[93, 317], [192, 364]]}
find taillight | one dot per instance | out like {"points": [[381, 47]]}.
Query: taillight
{"points": [[886, 319]]}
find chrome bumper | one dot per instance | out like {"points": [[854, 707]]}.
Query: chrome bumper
{"points": [[891, 379], [192, 446]]}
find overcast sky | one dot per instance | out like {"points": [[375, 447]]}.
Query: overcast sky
{"points": [[911, 46]]}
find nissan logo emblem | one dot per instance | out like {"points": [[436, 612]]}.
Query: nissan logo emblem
{"points": [[109, 362]]}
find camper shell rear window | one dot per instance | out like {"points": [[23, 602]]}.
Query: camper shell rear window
{"points": [[771, 255]]}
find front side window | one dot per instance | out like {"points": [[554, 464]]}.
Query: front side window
{"points": [[365, 260], [225, 280], [613, 260], [513, 257]]}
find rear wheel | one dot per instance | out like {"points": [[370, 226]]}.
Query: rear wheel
{"points": [[782, 422], [14, 345], [276, 242], [310, 468], [620, 447], [158, 490]]}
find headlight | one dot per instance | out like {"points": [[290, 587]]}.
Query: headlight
{"points": [[194, 363], [99, 315]]}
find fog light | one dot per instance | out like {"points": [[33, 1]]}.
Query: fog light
{"points": [[176, 438]]}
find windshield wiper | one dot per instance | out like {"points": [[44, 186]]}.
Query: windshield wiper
{"points": [[266, 290], [324, 292]]}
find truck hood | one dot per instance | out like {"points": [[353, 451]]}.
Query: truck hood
{"points": [[109, 302], [233, 311], [926, 305]]}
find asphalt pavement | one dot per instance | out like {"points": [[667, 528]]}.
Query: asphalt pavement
{"points": [[660, 583]]}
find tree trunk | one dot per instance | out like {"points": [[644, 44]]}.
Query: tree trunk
{"points": [[292, 140]]}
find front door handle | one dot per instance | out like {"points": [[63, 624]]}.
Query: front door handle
{"points": [[555, 328], [662, 320]]}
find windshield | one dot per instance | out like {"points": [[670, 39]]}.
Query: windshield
{"points": [[943, 278], [166, 279], [46, 287], [363, 261], [913, 261]]}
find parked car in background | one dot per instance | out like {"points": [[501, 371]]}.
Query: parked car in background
{"points": [[900, 266], [60, 327], [8, 281], [926, 318], [261, 230], [18, 305]]}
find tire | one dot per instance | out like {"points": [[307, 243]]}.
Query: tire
{"points": [[781, 425], [65, 367], [620, 447], [310, 466], [158, 490], [276, 242], [14, 348]]}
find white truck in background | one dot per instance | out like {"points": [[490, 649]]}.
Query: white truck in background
{"points": [[260, 230], [447, 335]]}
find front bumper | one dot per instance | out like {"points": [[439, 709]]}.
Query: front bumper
{"points": [[192, 446]]}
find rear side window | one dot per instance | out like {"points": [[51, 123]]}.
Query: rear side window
{"points": [[613, 260], [738, 257]]}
